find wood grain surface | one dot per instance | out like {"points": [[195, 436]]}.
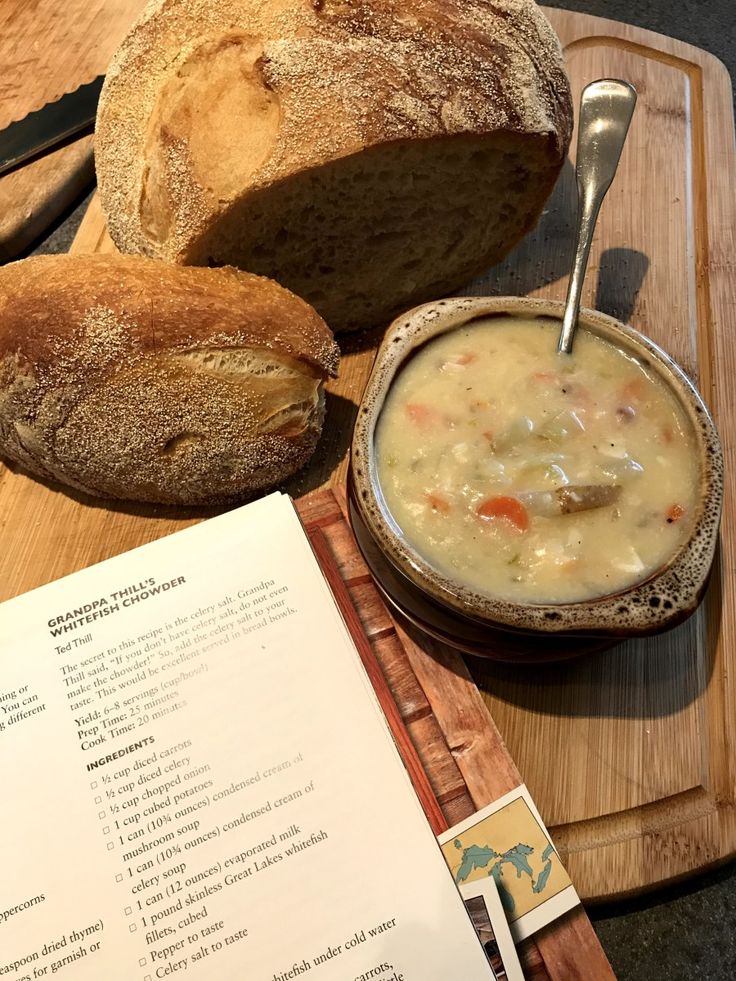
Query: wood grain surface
{"points": [[46, 49], [637, 778], [629, 754], [435, 713]]}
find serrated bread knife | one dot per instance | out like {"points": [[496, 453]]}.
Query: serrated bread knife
{"points": [[55, 122]]}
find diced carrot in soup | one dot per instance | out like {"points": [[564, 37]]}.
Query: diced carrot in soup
{"points": [[438, 503], [507, 508], [422, 415], [635, 389], [460, 360]]}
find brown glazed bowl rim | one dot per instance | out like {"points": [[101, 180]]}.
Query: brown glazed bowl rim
{"points": [[657, 603]]}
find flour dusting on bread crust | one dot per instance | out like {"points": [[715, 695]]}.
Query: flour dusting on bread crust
{"points": [[241, 131], [127, 378]]}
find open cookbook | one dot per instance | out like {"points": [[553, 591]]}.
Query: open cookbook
{"points": [[198, 777]]}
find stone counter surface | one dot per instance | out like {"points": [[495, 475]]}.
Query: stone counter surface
{"points": [[687, 931]]}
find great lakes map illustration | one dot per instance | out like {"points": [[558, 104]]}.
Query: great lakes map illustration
{"points": [[512, 846], [518, 857]]}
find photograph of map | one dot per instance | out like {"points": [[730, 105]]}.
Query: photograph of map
{"points": [[485, 910], [508, 842]]}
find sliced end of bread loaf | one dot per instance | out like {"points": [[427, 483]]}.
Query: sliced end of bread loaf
{"points": [[379, 231]]}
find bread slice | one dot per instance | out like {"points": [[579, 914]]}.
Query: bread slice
{"points": [[128, 378], [368, 154]]}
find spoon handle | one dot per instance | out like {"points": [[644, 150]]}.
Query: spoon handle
{"points": [[606, 108]]}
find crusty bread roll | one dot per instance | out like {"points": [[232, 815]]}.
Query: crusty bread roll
{"points": [[368, 154], [129, 378]]}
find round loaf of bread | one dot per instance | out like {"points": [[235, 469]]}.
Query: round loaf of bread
{"points": [[129, 378], [368, 154]]}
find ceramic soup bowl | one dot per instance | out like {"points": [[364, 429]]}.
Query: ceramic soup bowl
{"points": [[479, 622]]}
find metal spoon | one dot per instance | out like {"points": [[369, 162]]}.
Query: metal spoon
{"points": [[606, 108]]}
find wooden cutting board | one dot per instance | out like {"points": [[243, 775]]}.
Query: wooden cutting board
{"points": [[46, 49], [629, 754]]}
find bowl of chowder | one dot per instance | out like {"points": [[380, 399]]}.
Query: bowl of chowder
{"points": [[503, 493]]}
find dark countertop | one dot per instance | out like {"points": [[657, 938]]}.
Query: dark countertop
{"points": [[687, 931]]}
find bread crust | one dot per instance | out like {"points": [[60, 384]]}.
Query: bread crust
{"points": [[125, 377], [209, 103]]}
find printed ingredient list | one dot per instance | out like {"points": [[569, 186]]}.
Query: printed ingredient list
{"points": [[202, 783]]}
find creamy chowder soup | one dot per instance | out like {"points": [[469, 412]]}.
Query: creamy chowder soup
{"points": [[535, 476]]}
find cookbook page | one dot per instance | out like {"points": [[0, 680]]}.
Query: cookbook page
{"points": [[197, 779]]}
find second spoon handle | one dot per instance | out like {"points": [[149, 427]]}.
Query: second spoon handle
{"points": [[606, 108]]}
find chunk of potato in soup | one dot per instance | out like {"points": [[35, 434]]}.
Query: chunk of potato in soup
{"points": [[533, 476]]}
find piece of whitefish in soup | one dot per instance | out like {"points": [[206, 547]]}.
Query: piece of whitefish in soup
{"points": [[533, 476]]}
